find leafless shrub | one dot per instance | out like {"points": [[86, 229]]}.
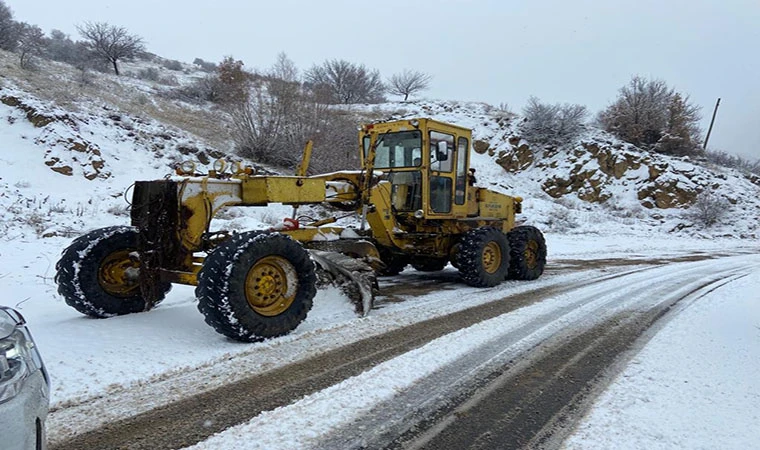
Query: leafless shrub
{"points": [[172, 64], [708, 209], [204, 65], [733, 161], [205, 89], [561, 219], [555, 124], [408, 82], [503, 110], [149, 73]]}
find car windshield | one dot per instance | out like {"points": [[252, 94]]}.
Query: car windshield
{"points": [[400, 149]]}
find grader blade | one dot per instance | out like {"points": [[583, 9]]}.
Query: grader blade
{"points": [[352, 276]]}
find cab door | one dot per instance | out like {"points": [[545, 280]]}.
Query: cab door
{"points": [[447, 177], [440, 178]]}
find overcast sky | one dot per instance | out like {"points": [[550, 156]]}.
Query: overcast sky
{"points": [[498, 51]]}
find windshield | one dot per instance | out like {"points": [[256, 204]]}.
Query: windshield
{"points": [[400, 149]]}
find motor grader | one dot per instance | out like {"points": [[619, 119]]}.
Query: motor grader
{"points": [[415, 200]]}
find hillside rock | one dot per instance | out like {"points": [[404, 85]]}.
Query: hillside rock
{"points": [[520, 157], [74, 143]]}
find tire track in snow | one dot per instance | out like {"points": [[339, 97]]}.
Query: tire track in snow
{"points": [[528, 397]]}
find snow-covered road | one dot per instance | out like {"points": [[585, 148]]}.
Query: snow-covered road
{"points": [[370, 410]]}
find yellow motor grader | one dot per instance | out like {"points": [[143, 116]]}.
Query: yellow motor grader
{"points": [[416, 204]]}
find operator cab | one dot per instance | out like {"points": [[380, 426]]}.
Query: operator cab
{"points": [[426, 162]]}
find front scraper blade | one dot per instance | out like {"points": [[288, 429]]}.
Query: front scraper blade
{"points": [[353, 276]]}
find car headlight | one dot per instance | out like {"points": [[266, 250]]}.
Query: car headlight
{"points": [[18, 358], [15, 364]]}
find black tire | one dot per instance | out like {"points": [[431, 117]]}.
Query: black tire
{"points": [[429, 265], [393, 264], [93, 274], [527, 253], [483, 257], [245, 288]]}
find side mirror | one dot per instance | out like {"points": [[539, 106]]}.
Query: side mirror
{"points": [[442, 152]]}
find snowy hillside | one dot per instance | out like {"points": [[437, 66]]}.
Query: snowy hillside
{"points": [[72, 151]]}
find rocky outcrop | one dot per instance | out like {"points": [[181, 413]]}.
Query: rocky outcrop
{"points": [[597, 171], [37, 118], [519, 158], [667, 194]]}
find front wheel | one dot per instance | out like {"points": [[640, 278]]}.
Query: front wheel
{"points": [[98, 274], [256, 286], [528, 253], [430, 264], [392, 264], [483, 257]]}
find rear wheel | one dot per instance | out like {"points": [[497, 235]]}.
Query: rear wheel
{"points": [[483, 257], [256, 286], [527, 253], [98, 275]]}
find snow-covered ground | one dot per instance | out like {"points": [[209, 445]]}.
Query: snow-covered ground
{"points": [[692, 386]]}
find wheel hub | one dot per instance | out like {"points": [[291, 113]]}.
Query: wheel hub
{"points": [[271, 285], [491, 257], [118, 274], [531, 254]]}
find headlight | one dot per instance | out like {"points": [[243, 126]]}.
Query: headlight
{"points": [[15, 363], [18, 356], [220, 165]]}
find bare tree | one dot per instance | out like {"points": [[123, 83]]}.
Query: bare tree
{"points": [[408, 82], [31, 43], [650, 114], [111, 43], [278, 116], [8, 28], [341, 81]]}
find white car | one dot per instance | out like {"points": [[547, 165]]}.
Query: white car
{"points": [[24, 386]]}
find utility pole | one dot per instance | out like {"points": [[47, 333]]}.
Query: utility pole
{"points": [[709, 130]]}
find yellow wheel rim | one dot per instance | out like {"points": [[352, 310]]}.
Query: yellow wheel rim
{"points": [[270, 286], [531, 254], [491, 257], [118, 274]]}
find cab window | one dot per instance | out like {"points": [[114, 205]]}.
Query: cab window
{"points": [[441, 151], [461, 181], [397, 150]]}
